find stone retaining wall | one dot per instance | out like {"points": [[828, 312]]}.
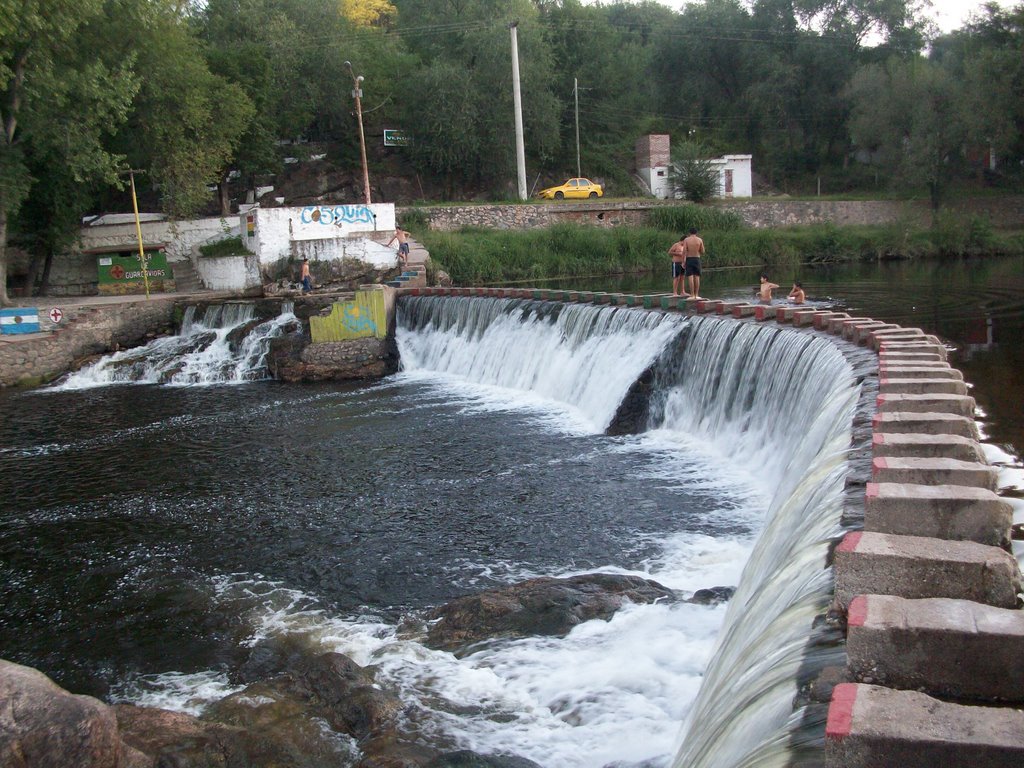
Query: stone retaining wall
{"points": [[31, 359], [759, 212], [929, 590]]}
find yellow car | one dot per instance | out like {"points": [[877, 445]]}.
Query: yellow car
{"points": [[572, 188]]}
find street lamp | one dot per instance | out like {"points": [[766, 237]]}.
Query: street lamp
{"points": [[357, 94]]}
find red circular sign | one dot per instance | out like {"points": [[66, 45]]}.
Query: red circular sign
{"points": [[56, 314], [117, 271]]}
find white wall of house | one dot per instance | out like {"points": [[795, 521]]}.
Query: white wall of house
{"points": [[734, 175], [657, 181], [180, 236]]}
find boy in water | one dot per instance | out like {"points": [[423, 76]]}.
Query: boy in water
{"points": [[797, 294], [765, 291]]}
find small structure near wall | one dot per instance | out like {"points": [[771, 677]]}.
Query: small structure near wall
{"points": [[279, 236], [119, 271], [654, 167], [734, 175]]}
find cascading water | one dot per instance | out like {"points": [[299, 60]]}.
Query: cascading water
{"points": [[777, 402], [225, 344]]}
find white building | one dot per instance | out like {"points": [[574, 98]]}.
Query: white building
{"points": [[653, 165]]}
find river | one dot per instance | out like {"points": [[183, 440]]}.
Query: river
{"points": [[156, 539]]}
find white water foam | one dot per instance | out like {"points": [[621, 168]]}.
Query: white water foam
{"points": [[202, 353]]}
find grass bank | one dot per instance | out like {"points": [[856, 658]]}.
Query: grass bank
{"points": [[570, 250]]}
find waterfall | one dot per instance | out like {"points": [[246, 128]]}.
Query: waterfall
{"points": [[224, 343], [776, 401], [579, 355]]}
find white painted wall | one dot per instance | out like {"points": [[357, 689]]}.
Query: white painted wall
{"points": [[657, 181], [229, 273], [742, 182], [180, 236], [271, 232]]}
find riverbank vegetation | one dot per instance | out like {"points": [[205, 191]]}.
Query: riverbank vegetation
{"points": [[475, 256]]}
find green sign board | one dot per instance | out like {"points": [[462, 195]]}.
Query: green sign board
{"points": [[395, 138], [121, 272]]}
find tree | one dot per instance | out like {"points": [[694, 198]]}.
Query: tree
{"points": [[912, 117], [58, 101], [369, 13], [692, 174]]}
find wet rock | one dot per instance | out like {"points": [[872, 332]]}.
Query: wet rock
{"points": [[330, 688], [544, 606], [443, 279], [468, 759], [633, 414], [237, 334], [42, 725], [712, 595]]}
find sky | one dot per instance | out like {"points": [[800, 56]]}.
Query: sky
{"points": [[948, 14]]}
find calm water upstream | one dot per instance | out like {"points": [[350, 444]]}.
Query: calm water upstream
{"points": [[155, 540]]}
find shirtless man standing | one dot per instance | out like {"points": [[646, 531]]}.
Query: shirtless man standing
{"points": [[693, 249], [678, 279], [403, 245]]}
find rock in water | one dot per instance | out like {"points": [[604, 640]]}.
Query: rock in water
{"points": [[44, 726], [544, 606]]}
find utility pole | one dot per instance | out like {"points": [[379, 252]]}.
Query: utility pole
{"points": [[138, 229], [518, 102], [576, 94], [357, 94]]}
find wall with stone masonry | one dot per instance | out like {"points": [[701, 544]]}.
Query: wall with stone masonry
{"points": [[30, 359]]}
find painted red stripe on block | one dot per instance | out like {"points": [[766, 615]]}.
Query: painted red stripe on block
{"points": [[878, 464], [850, 542], [878, 438], [879, 401], [840, 711], [871, 490], [857, 613], [883, 381]]}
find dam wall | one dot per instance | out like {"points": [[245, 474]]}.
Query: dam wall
{"points": [[926, 591]]}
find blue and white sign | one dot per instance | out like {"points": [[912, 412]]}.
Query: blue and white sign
{"points": [[19, 320]]}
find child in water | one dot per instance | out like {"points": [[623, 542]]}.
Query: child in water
{"points": [[797, 294], [765, 291]]}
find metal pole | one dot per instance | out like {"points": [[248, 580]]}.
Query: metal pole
{"points": [[357, 94], [138, 233], [518, 102], [576, 93]]}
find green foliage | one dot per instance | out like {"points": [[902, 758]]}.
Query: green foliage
{"points": [[682, 218], [692, 175], [230, 246], [958, 235]]}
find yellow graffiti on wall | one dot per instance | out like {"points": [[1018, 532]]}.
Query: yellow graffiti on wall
{"points": [[361, 318]]}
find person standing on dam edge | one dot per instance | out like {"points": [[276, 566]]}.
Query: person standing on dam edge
{"points": [[678, 277], [403, 245], [693, 249], [305, 277]]}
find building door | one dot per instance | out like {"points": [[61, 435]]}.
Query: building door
{"points": [[728, 182]]}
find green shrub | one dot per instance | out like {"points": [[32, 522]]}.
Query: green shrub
{"points": [[682, 218], [231, 246]]}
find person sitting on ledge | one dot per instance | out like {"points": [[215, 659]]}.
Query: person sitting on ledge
{"points": [[797, 294]]}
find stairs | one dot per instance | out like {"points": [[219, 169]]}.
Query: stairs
{"points": [[186, 279], [415, 273]]}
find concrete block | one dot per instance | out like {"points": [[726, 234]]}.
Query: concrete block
{"points": [[953, 512], [924, 345], [961, 405], [804, 317], [873, 727], [633, 300], [938, 645], [785, 314], [586, 297], [847, 327], [708, 305], [744, 310], [652, 300], [726, 307], [911, 358], [937, 471], [859, 335], [691, 304], [910, 445], [764, 312], [871, 563], [914, 386], [606, 298], [835, 324], [669, 302], [938, 371], [821, 319], [901, 422]]}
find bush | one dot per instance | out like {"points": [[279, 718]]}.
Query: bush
{"points": [[231, 246], [680, 219]]}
